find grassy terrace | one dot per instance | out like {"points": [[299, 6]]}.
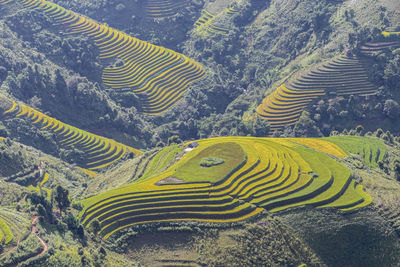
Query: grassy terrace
{"points": [[205, 22], [159, 76], [284, 106], [158, 162], [163, 8], [342, 75], [5, 232], [100, 151], [372, 150], [273, 174]]}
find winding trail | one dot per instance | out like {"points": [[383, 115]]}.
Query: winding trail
{"points": [[44, 245]]}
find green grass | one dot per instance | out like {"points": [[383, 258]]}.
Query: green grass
{"points": [[230, 152], [350, 197], [319, 191], [7, 234], [1, 236], [161, 160], [372, 150]]}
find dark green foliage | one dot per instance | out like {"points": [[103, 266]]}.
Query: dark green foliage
{"points": [[306, 127], [42, 206], [396, 169], [74, 226], [359, 130], [62, 198], [391, 109], [258, 127], [379, 132], [254, 246], [174, 140], [41, 210], [95, 226]]}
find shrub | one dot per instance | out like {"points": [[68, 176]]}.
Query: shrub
{"points": [[95, 226], [209, 162], [359, 130], [378, 132], [396, 170], [391, 109], [174, 140]]}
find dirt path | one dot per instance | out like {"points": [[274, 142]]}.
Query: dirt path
{"points": [[44, 245], [33, 232]]}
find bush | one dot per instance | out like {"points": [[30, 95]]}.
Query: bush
{"points": [[391, 109], [359, 130], [378, 132], [209, 162], [396, 170], [174, 140]]}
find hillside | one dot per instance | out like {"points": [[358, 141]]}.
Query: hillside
{"points": [[199, 133]]}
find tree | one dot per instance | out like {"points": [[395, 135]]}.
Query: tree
{"points": [[41, 210], [396, 170], [61, 198], [260, 127], [359, 130], [378, 132], [95, 226], [391, 109], [306, 127], [174, 140]]}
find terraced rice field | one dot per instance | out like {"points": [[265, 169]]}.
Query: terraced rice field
{"points": [[342, 75], [212, 16], [157, 75], [389, 33], [373, 48], [277, 174], [284, 106], [205, 22], [371, 150], [163, 8], [100, 152], [232, 11], [156, 162], [13, 225]]}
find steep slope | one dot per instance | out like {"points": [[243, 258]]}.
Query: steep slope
{"points": [[343, 75], [159, 76], [276, 175]]}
